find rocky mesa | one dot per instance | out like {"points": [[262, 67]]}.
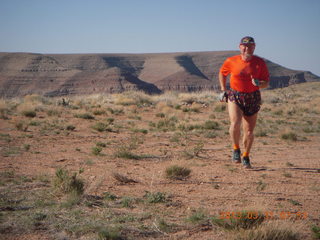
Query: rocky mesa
{"points": [[66, 74]]}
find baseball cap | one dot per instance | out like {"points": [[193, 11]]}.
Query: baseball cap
{"points": [[247, 40]]}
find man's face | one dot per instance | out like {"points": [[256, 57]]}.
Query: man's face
{"points": [[247, 49]]}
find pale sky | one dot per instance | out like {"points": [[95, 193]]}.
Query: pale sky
{"points": [[287, 32]]}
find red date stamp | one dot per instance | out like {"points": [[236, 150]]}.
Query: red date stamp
{"points": [[265, 214]]}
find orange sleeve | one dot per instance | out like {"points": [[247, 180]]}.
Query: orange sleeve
{"points": [[264, 75], [225, 69]]}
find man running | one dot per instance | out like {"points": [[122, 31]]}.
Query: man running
{"points": [[248, 73]]}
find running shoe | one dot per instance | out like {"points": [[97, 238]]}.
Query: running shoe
{"points": [[246, 162], [236, 156]]}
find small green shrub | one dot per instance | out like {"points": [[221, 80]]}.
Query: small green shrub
{"points": [[268, 231], [70, 128], [96, 150], [21, 126], [29, 113], [68, 184], [220, 108], [261, 186], [197, 217], [109, 234], [316, 231], [100, 127], [211, 125], [84, 116], [289, 136], [101, 144], [124, 152], [161, 115], [109, 196], [177, 172], [157, 197]]}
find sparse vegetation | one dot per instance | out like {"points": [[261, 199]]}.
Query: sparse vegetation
{"points": [[289, 136], [268, 231], [157, 197], [67, 183], [177, 172], [84, 116], [239, 220], [131, 145], [316, 232]]}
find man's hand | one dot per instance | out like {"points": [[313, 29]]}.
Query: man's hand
{"points": [[223, 96], [256, 82]]}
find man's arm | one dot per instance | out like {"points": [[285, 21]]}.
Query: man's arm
{"points": [[263, 84], [222, 80]]}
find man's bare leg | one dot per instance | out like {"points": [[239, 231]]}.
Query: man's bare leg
{"points": [[235, 115], [249, 123]]}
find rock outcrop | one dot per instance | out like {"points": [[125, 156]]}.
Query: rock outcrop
{"points": [[64, 74]]}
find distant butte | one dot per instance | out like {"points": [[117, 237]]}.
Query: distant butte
{"points": [[65, 74]]}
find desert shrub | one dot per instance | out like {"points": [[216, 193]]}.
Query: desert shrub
{"points": [[164, 226], [109, 196], [84, 115], [136, 130], [261, 185], [157, 197], [117, 111], [109, 234], [29, 113], [100, 127], [197, 217], [125, 152], [26, 147], [99, 112], [70, 127], [96, 150], [210, 134], [261, 133], [68, 184], [127, 202], [220, 108], [21, 125], [194, 151], [177, 172], [53, 112], [167, 124], [122, 178], [316, 231], [211, 125], [4, 110], [289, 136], [137, 98], [101, 144], [33, 98], [161, 115], [269, 231]]}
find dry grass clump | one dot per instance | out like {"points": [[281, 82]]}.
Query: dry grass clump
{"points": [[204, 97], [240, 220], [68, 184], [122, 178], [168, 98], [275, 230], [27, 109], [4, 109], [176, 172], [140, 99]]}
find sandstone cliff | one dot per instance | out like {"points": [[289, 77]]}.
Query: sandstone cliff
{"points": [[64, 74]]}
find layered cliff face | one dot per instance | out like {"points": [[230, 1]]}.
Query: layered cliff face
{"points": [[64, 74]]}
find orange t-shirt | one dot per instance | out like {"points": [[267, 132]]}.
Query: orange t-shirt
{"points": [[241, 71]]}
